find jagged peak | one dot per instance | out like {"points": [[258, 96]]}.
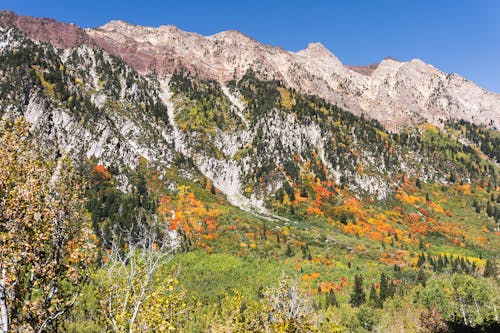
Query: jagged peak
{"points": [[116, 25], [316, 48], [231, 34], [318, 51]]}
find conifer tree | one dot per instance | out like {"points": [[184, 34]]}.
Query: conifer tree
{"points": [[373, 295], [489, 269], [421, 276], [358, 296], [331, 300], [385, 289]]}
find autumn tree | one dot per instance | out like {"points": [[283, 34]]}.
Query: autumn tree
{"points": [[188, 217], [46, 243]]}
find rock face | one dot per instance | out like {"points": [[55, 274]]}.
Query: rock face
{"points": [[59, 34], [395, 93]]}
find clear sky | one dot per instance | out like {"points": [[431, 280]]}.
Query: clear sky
{"points": [[461, 36]]}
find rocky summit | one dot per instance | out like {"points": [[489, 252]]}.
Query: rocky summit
{"points": [[394, 93]]}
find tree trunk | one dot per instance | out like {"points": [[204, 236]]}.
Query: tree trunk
{"points": [[4, 314], [462, 309]]}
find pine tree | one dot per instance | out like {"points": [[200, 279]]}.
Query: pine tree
{"points": [[489, 210], [385, 289], [373, 295], [489, 269], [421, 244], [421, 276], [331, 300], [421, 260], [358, 296]]}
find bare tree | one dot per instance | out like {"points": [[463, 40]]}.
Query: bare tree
{"points": [[288, 307], [133, 298]]}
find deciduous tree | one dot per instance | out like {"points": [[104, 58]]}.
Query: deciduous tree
{"points": [[46, 243]]}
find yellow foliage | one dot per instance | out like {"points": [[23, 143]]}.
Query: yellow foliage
{"points": [[286, 99], [406, 198], [465, 189]]}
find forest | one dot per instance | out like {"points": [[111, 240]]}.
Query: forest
{"points": [[78, 255]]}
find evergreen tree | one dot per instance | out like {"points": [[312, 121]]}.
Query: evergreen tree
{"points": [[489, 269], [373, 295], [385, 289], [421, 276], [331, 300], [358, 296], [421, 260], [289, 252], [421, 244], [489, 210]]}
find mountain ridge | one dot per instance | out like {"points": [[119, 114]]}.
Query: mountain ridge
{"points": [[395, 93]]}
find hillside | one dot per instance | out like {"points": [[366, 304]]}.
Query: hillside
{"points": [[266, 164]]}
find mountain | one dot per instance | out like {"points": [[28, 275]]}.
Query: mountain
{"points": [[250, 117], [394, 93], [260, 163]]}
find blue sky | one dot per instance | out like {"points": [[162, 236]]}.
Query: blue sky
{"points": [[461, 36]]}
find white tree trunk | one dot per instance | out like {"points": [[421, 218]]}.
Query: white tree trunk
{"points": [[4, 314]]}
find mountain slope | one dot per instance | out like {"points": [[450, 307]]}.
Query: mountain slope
{"points": [[252, 137], [252, 179]]}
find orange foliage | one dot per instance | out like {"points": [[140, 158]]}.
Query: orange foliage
{"points": [[375, 235], [424, 212], [189, 214], [352, 203], [412, 218], [321, 196], [326, 287], [312, 276], [359, 248], [465, 189], [431, 219], [419, 228], [399, 257], [437, 208], [311, 210], [101, 172]]}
